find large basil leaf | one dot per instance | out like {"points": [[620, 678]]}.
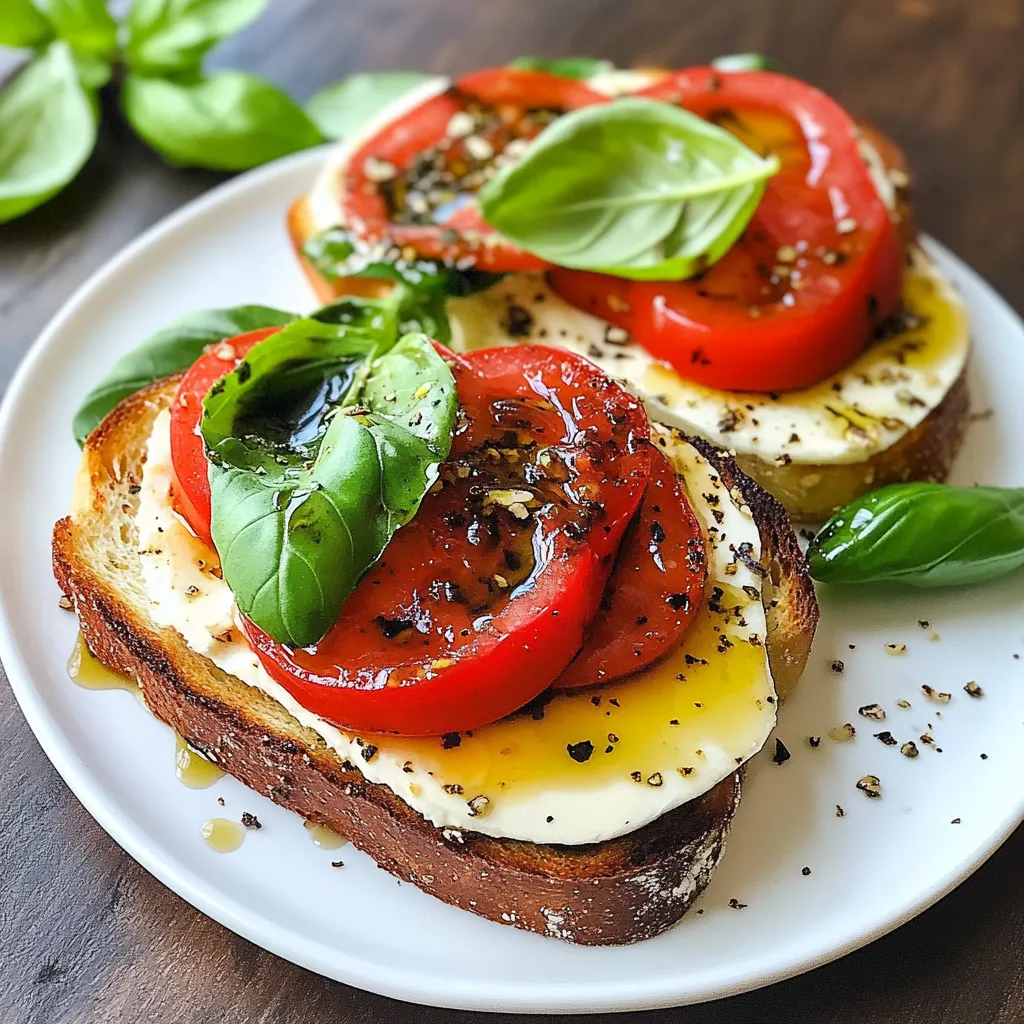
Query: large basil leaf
{"points": [[565, 67], [171, 350], [228, 121], [86, 25], [321, 446], [21, 25], [342, 109], [634, 188], [422, 286], [927, 535], [47, 131], [168, 36]]}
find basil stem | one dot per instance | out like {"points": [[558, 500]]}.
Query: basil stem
{"points": [[926, 535]]}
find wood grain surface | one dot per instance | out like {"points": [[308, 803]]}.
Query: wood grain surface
{"points": [[85, 933]]}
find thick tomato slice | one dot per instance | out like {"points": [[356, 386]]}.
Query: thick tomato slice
{"points": [[190, 488], [654, 591], [480, 602], [413, 183], [817, 269]]}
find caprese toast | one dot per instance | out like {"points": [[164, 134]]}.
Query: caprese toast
{"points": [[732, 245], [474, 612]]}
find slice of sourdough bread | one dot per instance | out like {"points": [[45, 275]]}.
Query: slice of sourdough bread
{"points": [[618, 891]]}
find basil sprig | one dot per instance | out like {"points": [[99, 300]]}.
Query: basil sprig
{"points": [[926, 535], [172, 349], [322, 443], [634, 188]]}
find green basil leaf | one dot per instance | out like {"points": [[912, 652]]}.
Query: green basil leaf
{"points": [[172, 349], [301, 513], [634, 188], [21, 25], [167, 36], [47, 131], [229, 121], [86, 25], [342, 109], [926, 535], [744, 62], [564, 67]]}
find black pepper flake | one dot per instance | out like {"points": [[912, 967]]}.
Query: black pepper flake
{"points": [[580, 751], [369, 752], [518, 321], [337, 863], [972, 689], [837, 666], [736, 905], [782, 754], [984, 757], [840, 813], [220, 800], [450, 740], [814, 741], [886, 737], [251, 821], [134, 489], [637, 776], [805, 872], [614, 702], [550, 818], [870, 786], [955, 821]]}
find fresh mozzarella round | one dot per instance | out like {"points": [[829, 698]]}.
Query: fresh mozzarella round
{"points": [[583, 767], [864, 409]]}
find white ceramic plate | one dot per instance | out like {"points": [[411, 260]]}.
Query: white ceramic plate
{"points": [[880, 864]]}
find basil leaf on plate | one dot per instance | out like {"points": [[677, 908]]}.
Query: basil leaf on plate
{"points": [[342, 109], [564, 67], [322, 444], [172, 349], [228, 121], [422, 287], [634, 188], [86, 25], [744, 62], [47, 131], [927, 535], [168, 36], [21, 25]]}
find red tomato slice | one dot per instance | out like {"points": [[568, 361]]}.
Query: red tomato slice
{"points": [[190, 487], [654, 591], [483, 599], [419, 157], [818, 267]]}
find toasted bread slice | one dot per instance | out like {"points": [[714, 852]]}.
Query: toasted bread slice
{"points": [[618, 891]]}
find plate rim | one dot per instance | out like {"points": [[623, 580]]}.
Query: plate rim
{"points": [[291, 945]]}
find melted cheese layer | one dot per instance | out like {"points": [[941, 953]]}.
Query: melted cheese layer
{"points": [[590, 765], [862, 410]]}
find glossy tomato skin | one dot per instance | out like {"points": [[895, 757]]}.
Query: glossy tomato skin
{"points": [[462, 235], [190, 488], [654, 591], [483, 599], [817, 269]]}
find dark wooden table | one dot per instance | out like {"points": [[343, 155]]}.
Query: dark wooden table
{"points": [[85, 933]]}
